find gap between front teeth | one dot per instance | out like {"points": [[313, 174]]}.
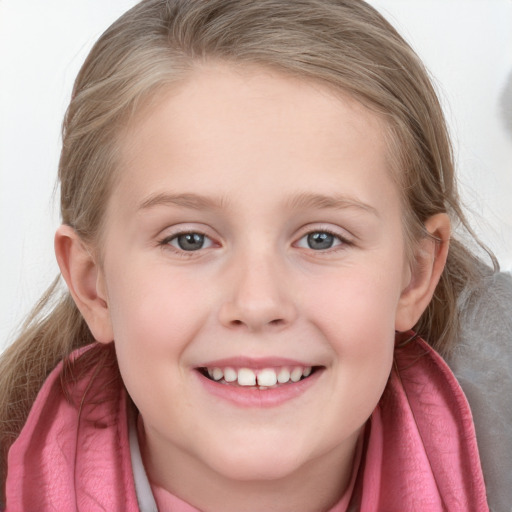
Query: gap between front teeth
{"points": [[267, 377]]}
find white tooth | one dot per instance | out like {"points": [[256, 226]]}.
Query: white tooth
{"points": [[296, 374], [246, 377], [230, 375], [267, 377], [210, 372], [307, 371], [217, 374], [283, 376]]}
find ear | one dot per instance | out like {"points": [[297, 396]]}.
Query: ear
{"points": [[429, 260], [85, 282]]}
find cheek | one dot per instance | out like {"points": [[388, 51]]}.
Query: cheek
{"points": [[356, 316], [360, 302], [148, 299], [155, 316], [356, 320]]}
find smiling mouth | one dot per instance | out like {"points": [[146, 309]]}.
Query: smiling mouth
{"points": [[264, 378]]}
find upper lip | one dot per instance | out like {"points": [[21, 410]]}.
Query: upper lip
{"points": [[254, 363]]}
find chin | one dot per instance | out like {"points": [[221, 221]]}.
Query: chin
{"points": [[254, 465]]}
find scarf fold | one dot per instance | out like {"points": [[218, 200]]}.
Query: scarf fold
{"points": [[420, 454]]}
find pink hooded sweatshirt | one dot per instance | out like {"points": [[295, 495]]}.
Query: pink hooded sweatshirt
{"points": [[419, 454]]}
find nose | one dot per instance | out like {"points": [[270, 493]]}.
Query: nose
{"points": [[258, 296]]}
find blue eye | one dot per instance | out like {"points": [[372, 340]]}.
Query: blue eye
{"points": [[189, 241], [319, 241]]}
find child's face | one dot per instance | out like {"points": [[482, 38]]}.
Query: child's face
{"points": [[294, 258]]}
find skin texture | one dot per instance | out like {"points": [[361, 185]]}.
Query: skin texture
{"points": [[272, 159]]}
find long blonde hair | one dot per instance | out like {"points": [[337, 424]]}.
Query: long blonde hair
{"points": [[345, 44]]}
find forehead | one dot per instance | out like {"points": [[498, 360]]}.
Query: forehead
{"points": [[230, 125]]}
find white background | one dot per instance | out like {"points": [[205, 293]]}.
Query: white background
{"points": [[467, 45]]}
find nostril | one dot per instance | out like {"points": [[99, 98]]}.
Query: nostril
{"points": [[277, 322]]}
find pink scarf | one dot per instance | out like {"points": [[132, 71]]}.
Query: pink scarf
{"points": [[420, 449]]}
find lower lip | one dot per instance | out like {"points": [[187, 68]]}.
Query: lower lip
{"points": [[259, 398]]}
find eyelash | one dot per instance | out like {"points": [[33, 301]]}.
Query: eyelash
{"points": [[166, 242], [344, 242]]}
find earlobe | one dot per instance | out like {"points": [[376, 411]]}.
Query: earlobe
{"points": [[84, 279], [426, 269]]}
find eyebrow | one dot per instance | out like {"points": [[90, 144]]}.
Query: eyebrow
{"points": [[336, 202], [194, 201]]}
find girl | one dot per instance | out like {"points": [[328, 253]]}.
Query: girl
{"points": [[256, 203]]}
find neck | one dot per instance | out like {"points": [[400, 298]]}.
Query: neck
{"points": [[318, 485]]}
